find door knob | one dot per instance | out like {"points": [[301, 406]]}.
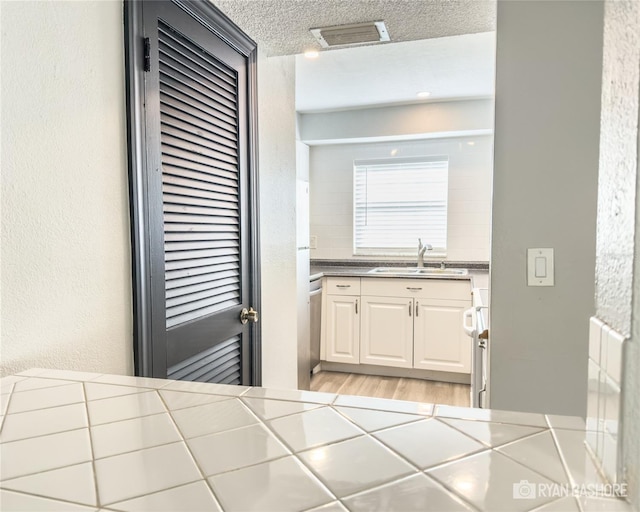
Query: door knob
{"points": [[247, 315]]}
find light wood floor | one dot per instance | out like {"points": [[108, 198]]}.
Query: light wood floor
{"points": [[416, 390]]}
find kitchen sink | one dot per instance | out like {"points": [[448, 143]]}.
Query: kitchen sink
{"points": [[443, 271], [394, 270], [419, 271]]}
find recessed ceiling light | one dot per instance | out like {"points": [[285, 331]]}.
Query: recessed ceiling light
{"points": [[394, 152], [312, 54], [423, 94], [471, 143]]}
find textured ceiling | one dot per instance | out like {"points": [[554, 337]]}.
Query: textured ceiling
{"points": [[281, 27], [457, 67]]}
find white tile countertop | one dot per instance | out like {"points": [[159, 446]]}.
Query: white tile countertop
{"points": [[72, 441]]}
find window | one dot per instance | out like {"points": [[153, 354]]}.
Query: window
{"points": [[397, 201]]}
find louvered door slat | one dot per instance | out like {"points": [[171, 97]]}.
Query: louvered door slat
{"points": [[187, 159], [202, 262], [182, 128], [201, 277], [172, 79], [173, 231], [196, 106], [176, 107], [204, 83], [173, 115], [183, 245], [200, 308], [210, 64], [200, 181], [188, 134], [179, 105], [191, 194], [207, 186], [220, 364], [200, 210], [198, 152], [173, 162], [180, 219], [187, 273], [179, 291], [202, 295]]}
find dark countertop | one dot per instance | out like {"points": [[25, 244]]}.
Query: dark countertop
{"points": [[355, 268]]}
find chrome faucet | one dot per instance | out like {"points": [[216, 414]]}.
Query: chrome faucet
{"points": [[421, 250], [442, 265]]}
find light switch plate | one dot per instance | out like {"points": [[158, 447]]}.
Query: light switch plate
{"points": [[313, 242], [540, 267]]}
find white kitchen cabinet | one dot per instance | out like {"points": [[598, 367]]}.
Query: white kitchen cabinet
{"points": [[403, 323], [342, 321], [439, 342], [387, 331]]}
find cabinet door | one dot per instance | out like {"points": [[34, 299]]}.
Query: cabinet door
{"points": [[440, 342], [387, 331], [343, 329]]}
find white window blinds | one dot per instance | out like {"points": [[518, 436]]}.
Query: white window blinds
{"points": [[397, 201]]}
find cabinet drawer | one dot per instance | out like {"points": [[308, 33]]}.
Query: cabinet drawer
{"points": [[446, 289], [343, 285]]}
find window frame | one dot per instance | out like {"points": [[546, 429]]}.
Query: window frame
{"points": [[404, 251]]}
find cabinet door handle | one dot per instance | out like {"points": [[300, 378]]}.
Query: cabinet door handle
{"points": [[413, 288], [409, 308], [417, 306], [356, 306], [343, 286]]}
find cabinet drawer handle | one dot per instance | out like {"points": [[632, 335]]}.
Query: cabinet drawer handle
{"points": [[356, 306], [417, 306], [409, 308], [413, 288], [343, 286]]}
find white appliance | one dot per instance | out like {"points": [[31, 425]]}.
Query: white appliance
{"points": [[475, 323]]}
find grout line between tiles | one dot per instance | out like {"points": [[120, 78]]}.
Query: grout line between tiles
{"points": [[116, 504], [45, 408], [464, 499], [93, 457], [45, 435], [6, 411], [193, 458], [284, 415], [429, 477], [563, 461], [62, 383], [532, 469], [415, 469], [43, 496], [541, 431], [296, 457], [483, 449]]}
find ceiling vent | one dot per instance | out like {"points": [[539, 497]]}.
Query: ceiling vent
{"points": [[360, 33]]}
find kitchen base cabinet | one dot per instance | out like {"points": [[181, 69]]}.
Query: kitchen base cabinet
{"points": [[387, 331], [397, 323], [439, 342], [340, 336]]}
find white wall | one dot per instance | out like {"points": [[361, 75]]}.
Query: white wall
{"points": [[66, 285], [469, 213], [277, 167], [66, 276], [549, 67], [418, 121], [618, 250]]}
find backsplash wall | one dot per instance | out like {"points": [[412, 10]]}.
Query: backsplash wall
{"points": [[469, 213]]}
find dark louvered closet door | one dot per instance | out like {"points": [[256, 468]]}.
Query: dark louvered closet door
{"points": [[201, 227]]}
